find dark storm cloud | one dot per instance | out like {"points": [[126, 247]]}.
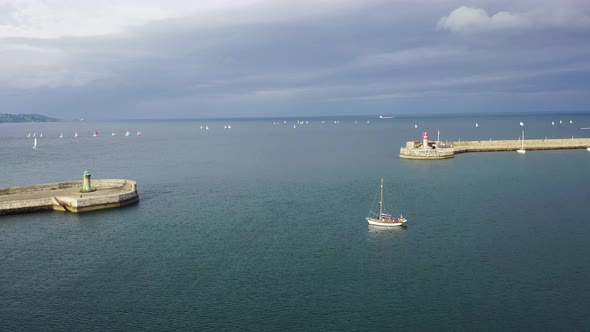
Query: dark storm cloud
{"points": [[382, 57]]}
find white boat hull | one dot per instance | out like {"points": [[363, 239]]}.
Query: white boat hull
{"points": [[377, 222], [521, 151], [588, 148]]}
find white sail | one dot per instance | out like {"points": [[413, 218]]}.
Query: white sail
{"points": [[35, 143]]}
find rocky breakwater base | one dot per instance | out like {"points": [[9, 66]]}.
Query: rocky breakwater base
{"points": [[68, 196], [429, 150]]}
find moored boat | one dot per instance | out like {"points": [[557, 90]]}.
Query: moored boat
{"points": [[384, 218]]}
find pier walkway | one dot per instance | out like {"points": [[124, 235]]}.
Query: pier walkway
{"points": [[67, 196], [439, 150]]}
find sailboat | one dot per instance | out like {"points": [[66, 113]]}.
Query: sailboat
{"points": [[75, 134], [521, 150], [127, 133], [384, 219], [61, 135], [95, 133], [113, 133], [29, 135], [35, 143]]}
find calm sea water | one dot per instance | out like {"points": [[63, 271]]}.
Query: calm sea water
{"points": [[261, 227]]}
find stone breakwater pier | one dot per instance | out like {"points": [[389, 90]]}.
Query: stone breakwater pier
{"points": [[73, 196], [433, 150]]}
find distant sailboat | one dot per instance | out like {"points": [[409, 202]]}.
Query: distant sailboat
{"points": [[35, 134], [224, 126], [127, 133], [206, 127], [113, 134], [294, 125], [228, 126], [571, 122], [521, 124], [521, 150], [476, 124], [201, 127], [76, 134], [35, 143], [384, 219], [95, 133], [61, 135], [40, 134], [553, 123], [415, 125], [29, 135], [560, 121], [138, 133]]}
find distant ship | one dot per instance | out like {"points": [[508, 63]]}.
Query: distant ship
{"points": [[384, 117], [383, 218]]}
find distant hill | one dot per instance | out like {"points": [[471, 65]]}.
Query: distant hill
{"points": [[5, 117]]}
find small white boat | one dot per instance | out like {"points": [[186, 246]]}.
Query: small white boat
{"points": [[228, 126], [75, 134], [560, 121], [35, 134], [384, 117], [384, 219], [522, 124], [206, 127], [113, 134], [571, 122], [95, 134], [521, 150], [35, 143], [29, 135], [476, 124], [294, 125], [127, 133], [415, 125], [61, 135], [553, 123], [201, 127], [588, 148], [138, 133], [368, 121], [40, 134]]}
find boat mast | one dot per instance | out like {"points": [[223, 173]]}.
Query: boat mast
{"points": [[381, 202]]}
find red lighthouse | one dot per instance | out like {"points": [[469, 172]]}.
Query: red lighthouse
{"points": [[425, 140]]}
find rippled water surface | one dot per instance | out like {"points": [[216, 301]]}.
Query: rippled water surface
{"points": [[261, 227]]}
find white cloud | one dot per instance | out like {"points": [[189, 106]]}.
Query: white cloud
{"points": [[470, 19], [60, 18]]}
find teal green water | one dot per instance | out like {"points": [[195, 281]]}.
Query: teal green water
{"points": [[261, 227]]}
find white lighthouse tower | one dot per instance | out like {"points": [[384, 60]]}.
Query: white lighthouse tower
{"points": [[425, 140]]}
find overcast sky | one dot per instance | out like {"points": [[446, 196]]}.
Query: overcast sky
{"points": [[114, 59]]}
